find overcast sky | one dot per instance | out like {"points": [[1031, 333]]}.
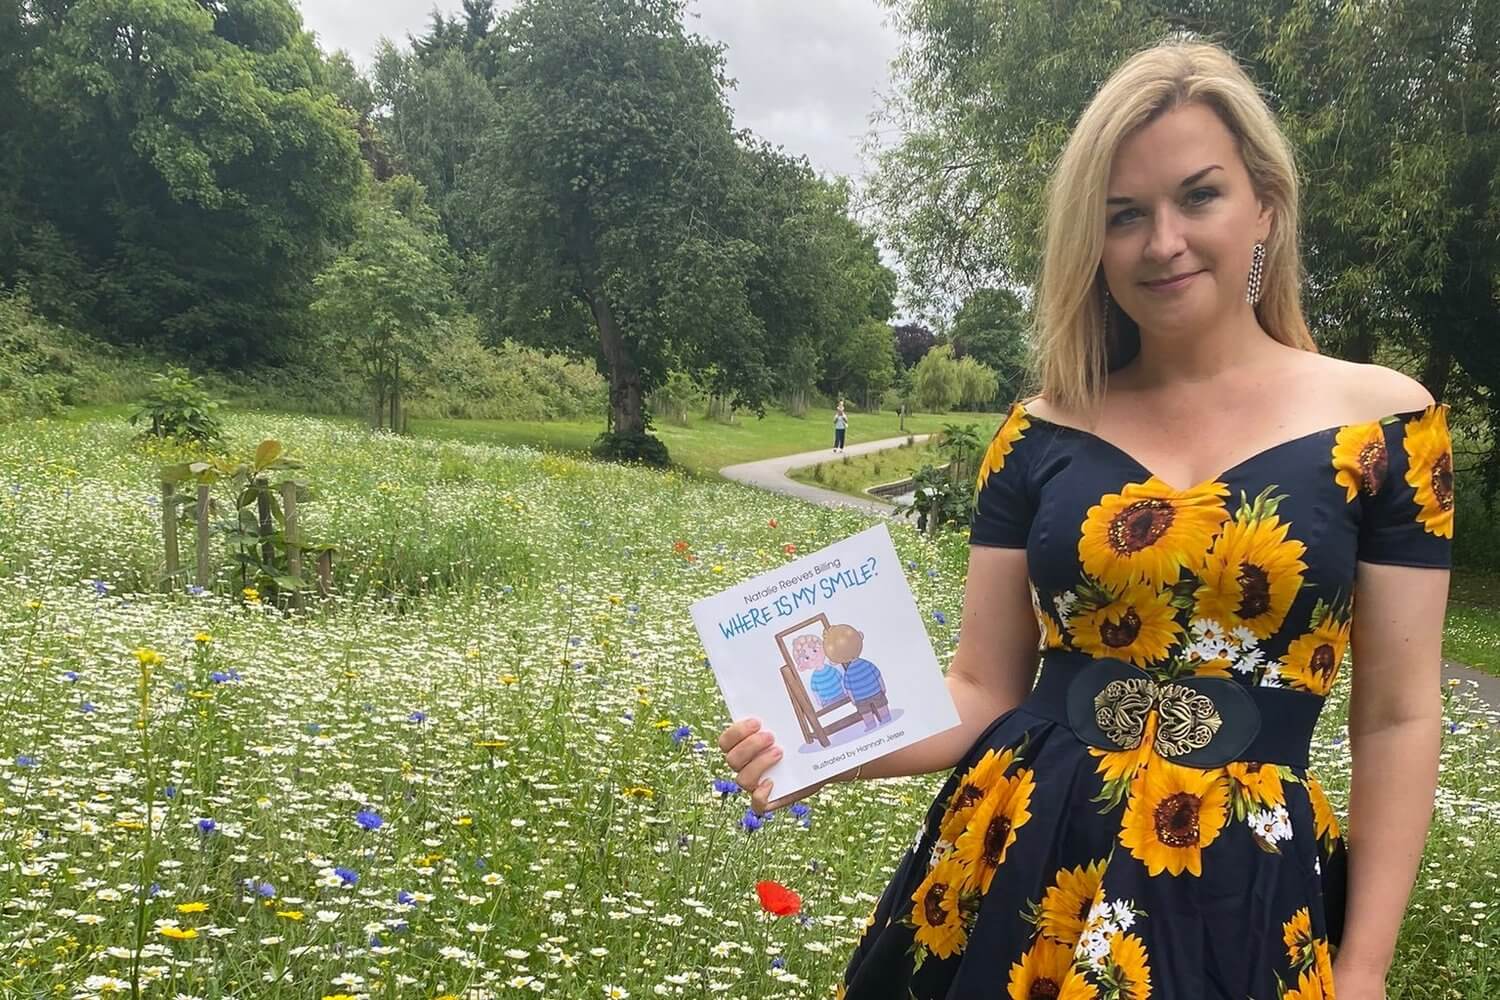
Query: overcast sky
{"points": [[807, 71]]}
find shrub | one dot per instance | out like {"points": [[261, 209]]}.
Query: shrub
{"points": [[179, 407], [638, 447]]}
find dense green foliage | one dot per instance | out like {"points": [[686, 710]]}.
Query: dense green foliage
{"points": [[1394, 109]]}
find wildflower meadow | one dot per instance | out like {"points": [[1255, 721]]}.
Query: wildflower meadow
{"points": [[486, 765]]}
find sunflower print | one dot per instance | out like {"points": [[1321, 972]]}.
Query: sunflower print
{"points": [[1001, 444], [1259, 784], [1139, 625], [1253, 572], [1309, 987], [1149, 532], [1129, 968], [983, 776], [935, 910], [981, 848], [1297, 934], [1174, 813], [1429, 469], [1325, 821], [1360, 459], [1046, 970], [1312, 661], [1066, 905]]}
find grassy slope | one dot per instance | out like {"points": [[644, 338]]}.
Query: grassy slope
{"points": [[705, 446]]}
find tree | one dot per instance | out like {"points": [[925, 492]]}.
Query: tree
{"points": [[935, 380], [990, 327], [913, 340], [188, 164], [863, 364], [384, 298], [1393, 109], [610, 176]]}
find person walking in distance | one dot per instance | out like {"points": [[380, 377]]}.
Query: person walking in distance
{"points": [[840, 424]]}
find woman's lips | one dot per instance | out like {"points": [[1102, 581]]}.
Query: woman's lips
{"points": [[1181, 281]]}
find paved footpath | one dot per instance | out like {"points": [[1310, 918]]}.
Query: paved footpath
{"points": [[771, 474]]}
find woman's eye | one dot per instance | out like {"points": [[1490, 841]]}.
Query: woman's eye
{"points": [[1120, 217], [1201, 196]]}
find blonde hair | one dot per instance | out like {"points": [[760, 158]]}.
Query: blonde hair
{"points": [[1073, 353]]}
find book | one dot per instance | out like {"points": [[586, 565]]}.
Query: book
{"points": [[828, 651]]}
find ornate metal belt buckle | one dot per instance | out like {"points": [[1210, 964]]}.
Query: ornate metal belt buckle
{"points": [[1200, 721]]}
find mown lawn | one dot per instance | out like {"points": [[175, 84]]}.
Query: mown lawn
{"points": [[486, 768]]}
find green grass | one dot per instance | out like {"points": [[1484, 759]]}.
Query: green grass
{"points": [[500, 680], [1471, 634], [855, 474], [705, 446]]}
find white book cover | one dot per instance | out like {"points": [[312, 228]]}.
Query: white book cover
{"points": [[828, 651]]}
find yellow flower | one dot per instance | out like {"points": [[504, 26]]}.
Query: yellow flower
{"points": [[1430, 469], [1149, 532], [1261, 783], [979, 780], [613, 598], [1127, 954], [1139, 625], [1296, 933], [1312, 661], [1174, 813], [1360, 458], [1009, 433], [464, 821], [1046, 970], [1117, 764], [1325, 821], [147, 657], [338, 996], [34, 605], [1068, 901], [1309, 987], [289, 914], [179, 933], [491, 744], [202, 638], [191, 907], [507, 679], [935, 911], [1252, 576], [251, 595], [981, 848], [638, 792], [665, 724]]}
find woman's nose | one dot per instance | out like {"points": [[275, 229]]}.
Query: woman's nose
{"points": [[1166, 239]]}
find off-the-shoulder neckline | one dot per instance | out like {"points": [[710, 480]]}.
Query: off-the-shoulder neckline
{"points": [[1242, 463]]}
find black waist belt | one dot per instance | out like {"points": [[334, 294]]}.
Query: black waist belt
{"points": [[1193, 721]]}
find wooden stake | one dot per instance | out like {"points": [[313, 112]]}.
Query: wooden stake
{"points": [[293, 538], [169, 531], [201, 540]]}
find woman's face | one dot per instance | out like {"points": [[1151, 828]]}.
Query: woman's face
{"points": [[1181, 221]]}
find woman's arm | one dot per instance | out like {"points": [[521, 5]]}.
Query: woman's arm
{"points": [[1395, 727]]}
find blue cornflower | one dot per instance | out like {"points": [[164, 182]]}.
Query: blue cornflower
{"points": [[418, 717], [804, 920], [632, 608], [940, 618], [725, 787], [349, 875], [170, 791], [259, 888], [911, 564], [574, 641], [70, 676], [86, 707], [778, 962], [312, 729], [932, 574], [628, 716], [681, 733], [207, 826], [374, 940], [405, 898], [25, 761], [750, 821], [800, 809], [196, 591], [100, 587], [368, 820], [218, 677]]}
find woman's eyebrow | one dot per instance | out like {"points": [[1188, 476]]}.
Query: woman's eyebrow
{"points": [[1186, 182]]}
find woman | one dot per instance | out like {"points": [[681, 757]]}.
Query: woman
{"points": [[1183, 522], [840, 423]]}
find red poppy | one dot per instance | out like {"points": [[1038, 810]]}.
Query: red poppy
{"points": [[772, 522], [778, 899], [789, 548], [679, 547]]}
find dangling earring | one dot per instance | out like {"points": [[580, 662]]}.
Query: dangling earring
{"points": [[1107, 302], [1257, 268]]}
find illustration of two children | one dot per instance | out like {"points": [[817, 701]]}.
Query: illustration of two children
{"points": [[837, 670]]}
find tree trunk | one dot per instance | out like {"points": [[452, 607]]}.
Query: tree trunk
{"points": [[1435, 372], [627, 414], [396, 397]]}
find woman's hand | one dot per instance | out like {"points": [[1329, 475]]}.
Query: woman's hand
{"points": [[750, 752]]}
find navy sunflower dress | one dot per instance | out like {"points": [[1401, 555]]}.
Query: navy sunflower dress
{"points": [[1145, 825]]}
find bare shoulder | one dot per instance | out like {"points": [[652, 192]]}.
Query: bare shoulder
{"points": [[1374, 390]]}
